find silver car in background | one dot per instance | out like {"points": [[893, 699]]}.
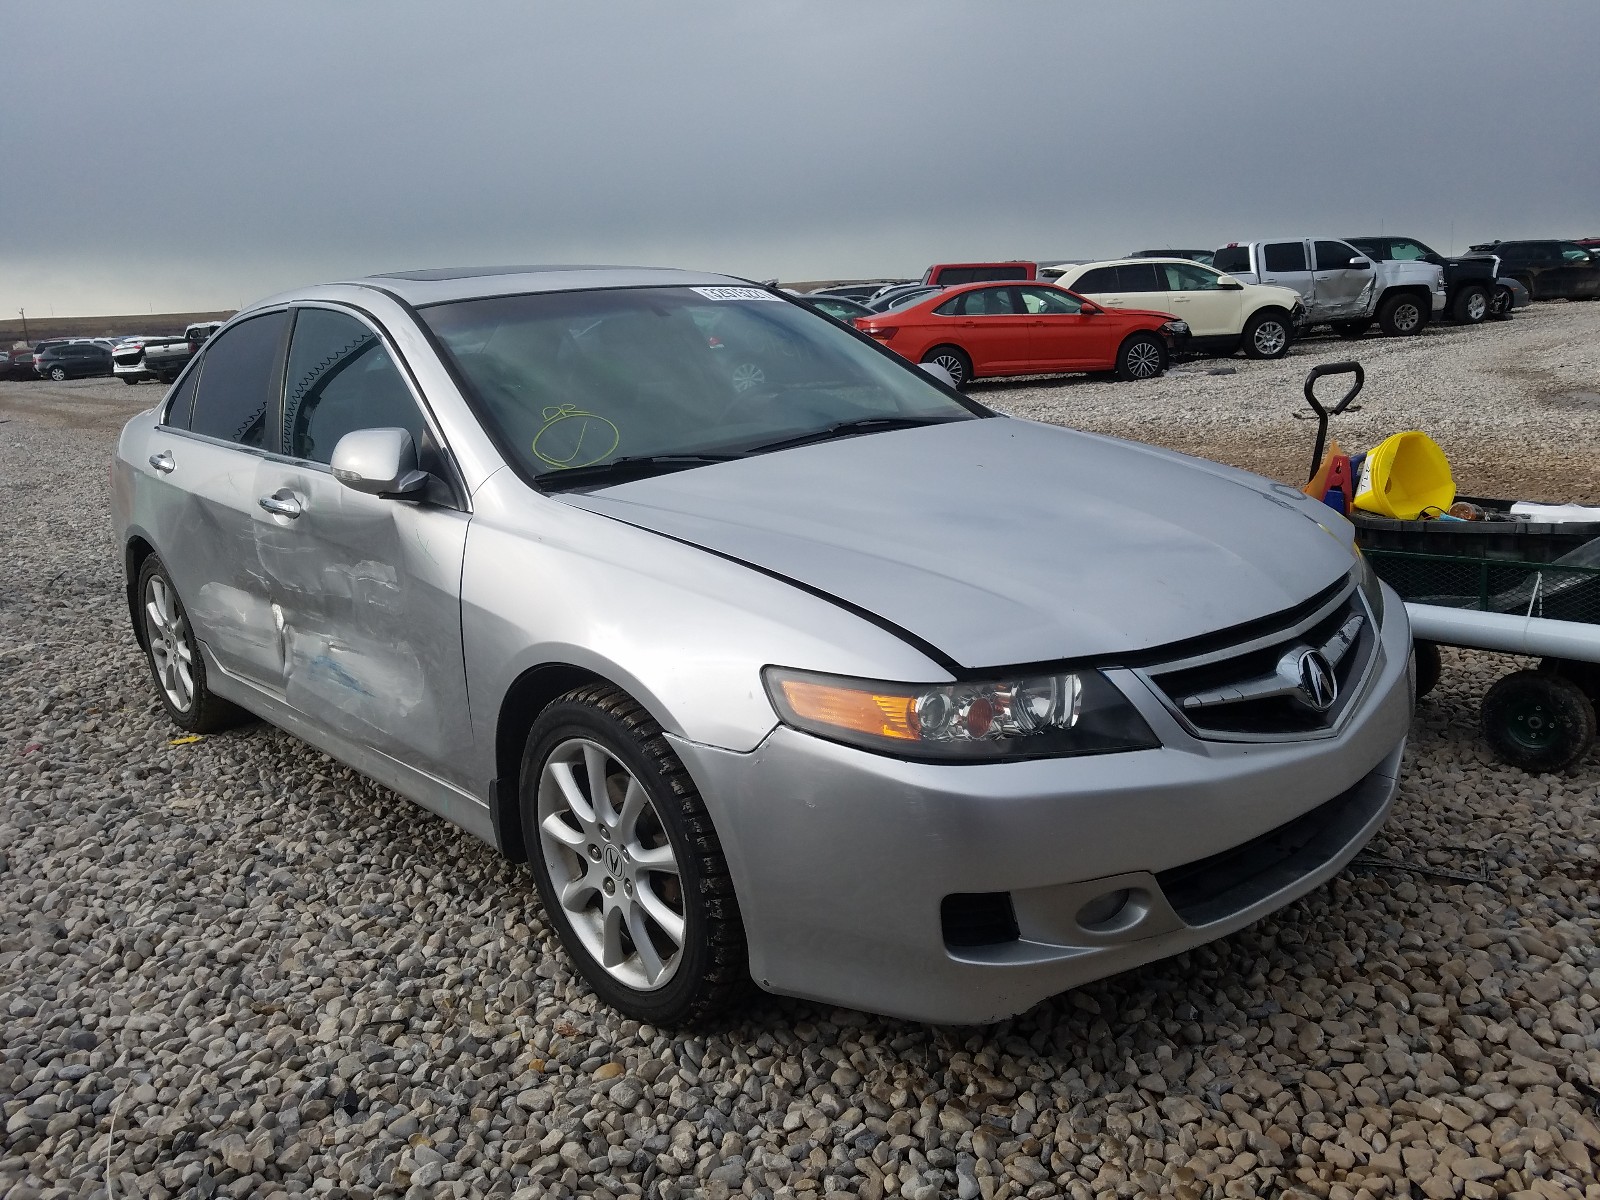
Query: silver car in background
{"points": [[836, 682]]}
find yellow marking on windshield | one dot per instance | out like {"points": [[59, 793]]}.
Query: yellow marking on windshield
{"points": [[574, 427]]}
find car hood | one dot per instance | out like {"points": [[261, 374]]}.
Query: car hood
{"points": [[1003, 541]]}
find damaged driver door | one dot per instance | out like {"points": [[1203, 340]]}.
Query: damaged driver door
{"points": [[365, 589]]}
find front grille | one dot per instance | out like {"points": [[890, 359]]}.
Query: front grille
{"points": [[1258, 691], [1210, 889], [978, 919]]}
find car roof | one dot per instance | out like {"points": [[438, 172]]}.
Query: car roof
{"points": [[434, 286], [1130, 262]]}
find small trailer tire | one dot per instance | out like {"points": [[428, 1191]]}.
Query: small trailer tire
{"points": [[1538, 720]]}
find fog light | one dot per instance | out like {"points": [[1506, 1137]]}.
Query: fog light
{"points": [[1103, 910]]}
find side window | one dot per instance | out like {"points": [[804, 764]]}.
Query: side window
{"points": [[989, 302], [956, 275], [1140, 277], [951, 307], [238, 379], [1101, 279], [1182, 277], [1284, 256], [341, 378], [1545, 252], [1573, 252], [1334, 256], [1048, 300]]}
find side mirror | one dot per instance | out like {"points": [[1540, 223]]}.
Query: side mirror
{"points": [[938, 371], [1360, 264], [1228, 283], [1090, 309], [380, 462]]}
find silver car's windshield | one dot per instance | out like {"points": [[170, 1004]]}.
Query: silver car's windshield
{"points": [[577, 380]]}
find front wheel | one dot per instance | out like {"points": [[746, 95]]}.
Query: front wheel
{"points": [[1403, 315], [129, 380], [1143, 356], [953, 360], [1267, 335], [628, 864], [1538, 720], [1351, 329], [1500, 306], [1471, 306]]}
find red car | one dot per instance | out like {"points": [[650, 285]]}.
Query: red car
{"points": [[985, 329]]}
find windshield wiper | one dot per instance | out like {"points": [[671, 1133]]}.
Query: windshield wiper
{"points": [[629, 466], [842, 429]]}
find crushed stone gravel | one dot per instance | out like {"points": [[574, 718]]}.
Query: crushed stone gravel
{"points": [[233, 967]]}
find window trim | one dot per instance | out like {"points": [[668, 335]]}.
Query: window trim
{"points": [[459, 497]]}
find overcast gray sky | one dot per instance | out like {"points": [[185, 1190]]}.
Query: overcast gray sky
{"points": [[167, 156]]}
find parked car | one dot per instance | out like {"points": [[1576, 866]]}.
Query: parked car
{"points": [[1223, 314], [72, 360], [1470, 282], [166, 359], [1549, 270], [951, 274], [17, 364], [1199, 256], [1340, 285], [1509, 296], [891, 297], [837, 307], [128, 357], [859, 292], [983, 330], [759, 720]]}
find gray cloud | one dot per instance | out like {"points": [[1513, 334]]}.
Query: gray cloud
{"points": [[189, 157]]}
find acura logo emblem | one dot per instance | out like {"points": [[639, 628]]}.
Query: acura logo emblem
{"points": [[1318, 686], [614, 861]]}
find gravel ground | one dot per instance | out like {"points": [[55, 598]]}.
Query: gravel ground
{"points": [[235, 968]]}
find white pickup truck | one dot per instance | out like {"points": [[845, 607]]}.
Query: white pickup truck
{"points": [[159, 358], [1341, 286]]}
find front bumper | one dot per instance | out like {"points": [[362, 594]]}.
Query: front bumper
{"points": [[1439, 298], [843, 860]]}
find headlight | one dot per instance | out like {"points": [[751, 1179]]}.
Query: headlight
{"points": [[1371, 587], [1034, 716], [1175, 328]]}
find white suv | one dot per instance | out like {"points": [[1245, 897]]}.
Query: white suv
{"points": [[1224, 315]]}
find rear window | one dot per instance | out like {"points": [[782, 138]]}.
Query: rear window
{"points": [[1232, 258]]}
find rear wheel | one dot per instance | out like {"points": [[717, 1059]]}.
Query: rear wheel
{"points": [[1267, 335], [129, 380], [1402, 315], [58, 373], [1538, 720], [1351, 329], [1143, 356], [952, 359], [1471, 306], [175, 659], [628, 864]]}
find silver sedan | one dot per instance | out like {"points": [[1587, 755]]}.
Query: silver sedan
{"points": [[778, 659]]}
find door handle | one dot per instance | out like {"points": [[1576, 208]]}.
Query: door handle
{"points": [[281, 504], [162, 461]]}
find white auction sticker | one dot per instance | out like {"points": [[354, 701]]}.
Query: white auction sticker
{"points": [[734, 293]]}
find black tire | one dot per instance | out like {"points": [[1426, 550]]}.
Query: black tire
{"points": [[1538, 720], [1142, 356], [1267, 334], [952, 359], [129, 380], [205, 712], [1403, 315], [1351, 329], [1471, 305], [1585, 675], [58, 374], [1428, 664], [1500, 304], [712, 972]]}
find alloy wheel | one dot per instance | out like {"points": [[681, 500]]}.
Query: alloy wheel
{"points": [[1502, 302], [748, 375], [58, 374], [611, 863], [1270, 338], [952, 364], [1407, 317], [1144, 360], [167, 634], [1477, 306]]}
